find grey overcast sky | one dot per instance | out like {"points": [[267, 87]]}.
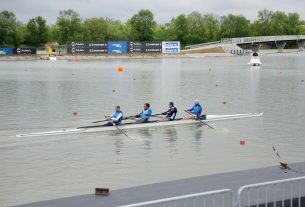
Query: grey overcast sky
{"points": [[163, 10]]}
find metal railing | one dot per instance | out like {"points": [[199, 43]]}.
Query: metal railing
{"points": [[218, 198], [188, 47], [260, 39], [282, 193]]}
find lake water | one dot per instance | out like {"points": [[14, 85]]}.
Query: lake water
{"points": [[42, 96]]}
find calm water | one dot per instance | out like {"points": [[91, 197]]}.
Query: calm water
{"points": [[42, 96]]}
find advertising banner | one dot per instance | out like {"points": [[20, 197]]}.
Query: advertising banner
{"points": [[153, 47], [86, 47], [80, 50], [86, 44], [170, 47], [117, 47], [6, 51], [144, 47], [135, 47], [24, 51]]}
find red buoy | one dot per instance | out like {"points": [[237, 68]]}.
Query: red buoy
{"points": [[302, 81], [224, 102], [74, 113], [242, 142]]}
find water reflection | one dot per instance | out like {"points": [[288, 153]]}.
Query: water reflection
{"points": [[170, 134]]}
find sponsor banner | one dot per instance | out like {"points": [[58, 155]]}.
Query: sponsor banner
{"points": [[80, 50], [24, 51], [117, 47], [153, 45], [170, 47], [6, 51], [135, 47], [86, 44], [144, 47], [153, 50]]}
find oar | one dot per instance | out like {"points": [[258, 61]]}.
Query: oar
{"points": [[157, 114], [198, 119], [120, 130], [99, 121], [125, 118]]}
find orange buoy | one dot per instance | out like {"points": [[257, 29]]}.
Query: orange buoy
{"points": [[242, 142], [120, 69]]}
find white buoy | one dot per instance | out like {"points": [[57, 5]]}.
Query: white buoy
{"points": [[255, 61]]}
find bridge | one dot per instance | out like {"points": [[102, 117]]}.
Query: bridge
{"points": [[256, 42]]}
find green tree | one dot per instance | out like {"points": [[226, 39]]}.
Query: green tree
{"points": [[8, 26], [212, 27], [279, 23], [293, 24], [54, 33], [69, 26], [118, 31], [164, 32], [262, 26], [180, 28], [95, 29], [143, 23], [234, 26], [37, 31], [196, 28]]}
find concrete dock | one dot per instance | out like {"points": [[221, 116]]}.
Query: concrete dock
{"points": [[231, 180]]}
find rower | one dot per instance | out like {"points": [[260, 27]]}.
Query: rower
{"points": [[170, 113], [116, 118], [195, 111], [145, 114]]}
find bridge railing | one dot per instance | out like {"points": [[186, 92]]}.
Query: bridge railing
{"points": [[259, 39]]}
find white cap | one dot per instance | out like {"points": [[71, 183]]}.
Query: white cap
{"points": [[196, 101]]}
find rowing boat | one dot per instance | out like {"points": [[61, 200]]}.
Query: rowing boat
{"points": [[100, 128]]}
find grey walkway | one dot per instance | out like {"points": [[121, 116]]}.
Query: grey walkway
{"points": [[231, 180]]}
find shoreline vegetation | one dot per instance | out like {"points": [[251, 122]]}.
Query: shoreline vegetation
{"points": [[192, 28]]}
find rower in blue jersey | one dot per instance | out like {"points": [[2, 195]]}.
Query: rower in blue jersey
{"points": [[115, 118], [170, 113], [145, 114], [196, 111]]}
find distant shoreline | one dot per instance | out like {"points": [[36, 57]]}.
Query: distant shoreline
{"points": [[105, 57], [140, 56]]}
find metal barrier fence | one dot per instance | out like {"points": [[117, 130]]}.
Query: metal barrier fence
{"points": [[218, 198], [280, 193], [188, 47]]}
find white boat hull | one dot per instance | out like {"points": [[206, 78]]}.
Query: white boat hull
{"points": [[210, 118]]}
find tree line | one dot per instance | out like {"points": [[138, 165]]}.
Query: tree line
{"points": [[188, 29]]}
